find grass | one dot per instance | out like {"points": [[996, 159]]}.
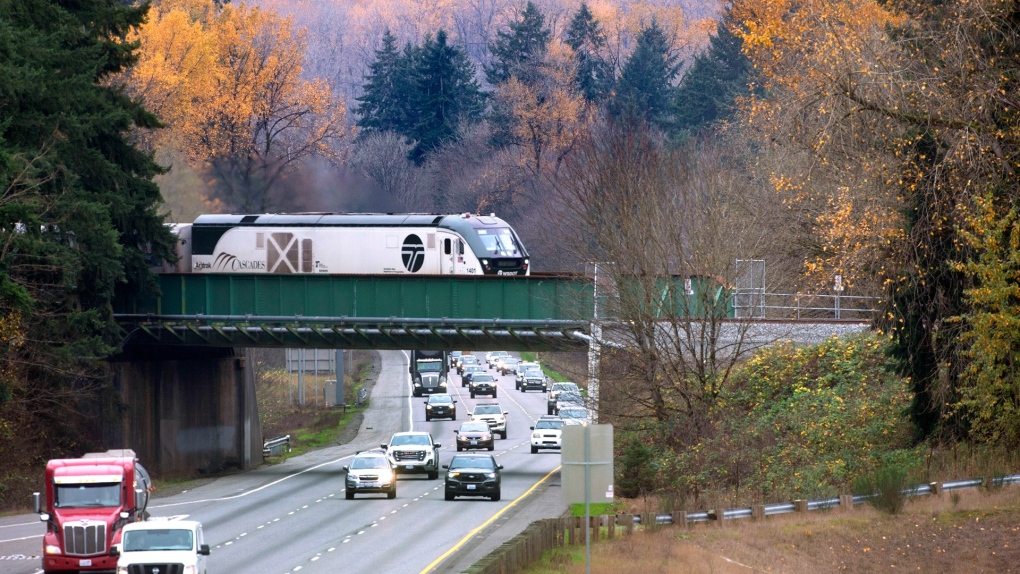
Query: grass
{"points": [[549, 372], [974, 532], [312, 425], [596, 508]]}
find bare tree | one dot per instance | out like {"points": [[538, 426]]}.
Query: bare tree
{"points": [[667, 226]]}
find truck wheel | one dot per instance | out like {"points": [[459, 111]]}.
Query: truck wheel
{"points": [[454, 417], [534, 449], [433, 475], [492, 447], [495, 497], [427, 418], [493, 394], [548, 410], [472, 395], [392, 494], [503, 434], [349, 495], [459, 448], [449, 496]]}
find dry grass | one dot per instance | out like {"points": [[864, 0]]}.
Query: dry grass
{"points": [[977, 531]]}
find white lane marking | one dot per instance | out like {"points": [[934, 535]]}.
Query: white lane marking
{"points": [[263, 487], [410, 392], [22, 524], [25, 538], [314, 558], [331, 549]]}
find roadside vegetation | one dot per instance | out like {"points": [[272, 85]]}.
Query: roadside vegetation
{"points": [[972, 532], [313, 424]]}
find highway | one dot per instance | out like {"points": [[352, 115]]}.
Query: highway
{"points": [[292, 517]]}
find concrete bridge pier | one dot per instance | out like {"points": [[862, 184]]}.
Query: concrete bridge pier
{"points": [[187, 410]]}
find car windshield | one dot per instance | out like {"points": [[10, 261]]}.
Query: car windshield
{"points": [[548, 424], [408, 439], [370, 462], [472, 462], [535, 373], [509, 361], [488, 410], [87, 495], [565, 387], [474, 427], [468, 359], [574, 413], [473, 369], [482, 378], [431, 366], [440, 399], [152, 539], [571, 397]]}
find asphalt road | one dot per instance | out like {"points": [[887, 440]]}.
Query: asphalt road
{"points": [[293, 517]]}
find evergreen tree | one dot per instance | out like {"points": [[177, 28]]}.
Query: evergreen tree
{"points": [[718, 76], [80, 209], [383, 105], [594, 73], [645, 89], [445, 95], [520, 51]]}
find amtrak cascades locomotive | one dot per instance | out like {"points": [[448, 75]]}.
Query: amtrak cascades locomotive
{"points": [[351, 243]]}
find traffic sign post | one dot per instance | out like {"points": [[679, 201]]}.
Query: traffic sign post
{"points": [[587, 474]]}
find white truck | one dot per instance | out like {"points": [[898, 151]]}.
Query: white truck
{"points": [[165, 546]]}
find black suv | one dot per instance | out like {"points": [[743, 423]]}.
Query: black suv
{"points": [[483, 384], [472, 475], [440, 407]]}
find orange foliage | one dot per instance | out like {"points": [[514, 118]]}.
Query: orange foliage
{"points": [[227, 82]]}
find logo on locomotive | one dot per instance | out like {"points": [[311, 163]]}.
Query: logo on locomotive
{"points": [[413, 253]]}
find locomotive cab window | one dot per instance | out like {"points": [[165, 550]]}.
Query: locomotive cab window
{"points": [[447, 246]]}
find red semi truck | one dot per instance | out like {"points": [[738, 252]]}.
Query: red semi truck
{"points": [[88, 502]]}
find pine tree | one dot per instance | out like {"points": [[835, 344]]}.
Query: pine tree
{"points": [[520, 51], [445, 95], [594, 73], [381, 106], [645, 89], [718, 76], [80, 210]]}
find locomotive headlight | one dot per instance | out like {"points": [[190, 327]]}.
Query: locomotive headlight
{"points": [[527, 262], [485, 261]]}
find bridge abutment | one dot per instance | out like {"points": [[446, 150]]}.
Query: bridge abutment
{"points": [[187, 410]]}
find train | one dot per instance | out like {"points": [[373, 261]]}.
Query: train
{"points": [[349, 243]]}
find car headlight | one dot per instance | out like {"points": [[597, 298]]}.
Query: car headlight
{"points": [[490, 475], [417, 384], [428, 407], [122, 570], [486, 436], [452, 474], [190, 570], [462, 438], [536, 435], [51, 549], [385, 476]]}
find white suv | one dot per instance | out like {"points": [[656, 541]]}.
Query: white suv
{"points": [[413, 452], [494, 415], [547, 433], [162, 542]]}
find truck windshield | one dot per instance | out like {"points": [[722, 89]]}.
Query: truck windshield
{"points": [[430, 366], [87, 495], [158, 539]]}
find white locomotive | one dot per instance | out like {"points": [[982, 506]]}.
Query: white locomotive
{"points": [[350, 243]]}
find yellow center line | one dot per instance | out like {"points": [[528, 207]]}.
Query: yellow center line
{"points": [[471, 534]]}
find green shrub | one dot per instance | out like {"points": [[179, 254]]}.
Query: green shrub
{"points": [[886, 487], [637, 473]]}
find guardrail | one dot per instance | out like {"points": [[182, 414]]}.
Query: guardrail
{"points": [[513, 556], [276, 446], [758, 305]]}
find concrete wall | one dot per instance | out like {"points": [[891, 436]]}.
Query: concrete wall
{"points": [[187, 411]]}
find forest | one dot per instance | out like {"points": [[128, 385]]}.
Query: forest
{"points": [[874, 141]]}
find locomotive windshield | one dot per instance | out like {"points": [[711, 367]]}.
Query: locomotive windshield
{"points": [[499, 241]]}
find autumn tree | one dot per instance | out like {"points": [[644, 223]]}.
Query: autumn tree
{"points": [[646, 85], [230, 82], [902, 103]]}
